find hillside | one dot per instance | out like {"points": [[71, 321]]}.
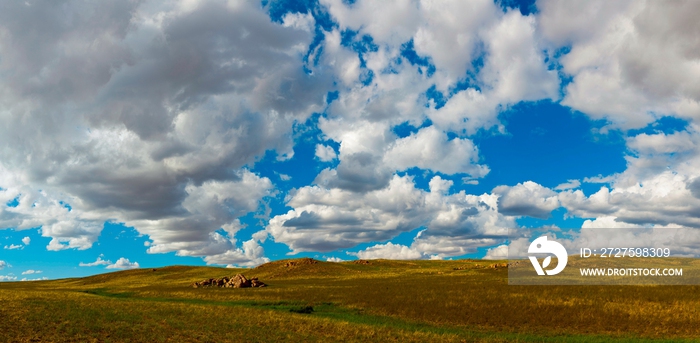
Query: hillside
{"points": [[308, 300]]}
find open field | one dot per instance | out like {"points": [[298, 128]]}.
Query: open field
{"points": [[451, 301]]}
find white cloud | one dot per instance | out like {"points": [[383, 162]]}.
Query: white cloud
{"points": [[299, 21], [8, 278], [665, 198], [571, 184], [607, 222], [450, 243], [31, 271], [526, 199], [4, 264], [388, 251], [334, 259], [36, 279], [251, 254], [599, 179], [515, 67], [327, 219], [14, 246], [606, 232], [513, 71], [469, 181], [26, 240], [362, 117], [325, 153], [430, 149], [660, 186], [393, 22], [152, 116], [660, 143], [123, 263], [631, 61], [497, 253], [98, 262], [449, 32]]}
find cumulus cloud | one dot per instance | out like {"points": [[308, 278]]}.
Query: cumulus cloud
{"points": [[658, 188], [362, 118], [31, 271], [526, 199], [334, 259], [134, 110], [36, 279], [123, 263], [661, 143], [250, 255], [8, 278], [388, 251], [4, 264], [497, 253], [430, 149], [513, 63], [662, 199], [25, 240], [606, 232], [98, 262], [325, 153], [629, 60], [622, 70], [154, 115], [327, 219], [212, 205]]}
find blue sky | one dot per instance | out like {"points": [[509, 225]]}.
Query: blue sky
{"points": [[235, 133]]}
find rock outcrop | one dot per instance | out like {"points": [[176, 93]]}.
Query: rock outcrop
{"points": [[300, 262], [498, 265], [238, 281], [491, 266]]}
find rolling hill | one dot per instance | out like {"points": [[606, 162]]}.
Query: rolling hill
{"points": [[309, 300]]}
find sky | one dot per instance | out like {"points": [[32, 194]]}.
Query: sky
{"points": [[140, 134]]}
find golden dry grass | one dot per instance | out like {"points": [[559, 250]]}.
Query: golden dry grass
{"points": [[382, 301]]}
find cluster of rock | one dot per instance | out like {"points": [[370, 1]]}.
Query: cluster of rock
{"points": [[363, 262], [300, 262], [490, 266], [498, 265], [238, 281]]}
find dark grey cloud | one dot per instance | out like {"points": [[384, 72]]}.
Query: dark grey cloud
{"points": [[63, 50], [360, 172], [694, 187], [131, 111]]}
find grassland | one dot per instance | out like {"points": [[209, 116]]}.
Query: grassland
{"points": [[402, 301]]}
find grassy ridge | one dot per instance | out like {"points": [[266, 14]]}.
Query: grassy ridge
{"points": [[382, 301]]}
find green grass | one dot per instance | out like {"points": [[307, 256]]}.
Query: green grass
{"points": [[402, 301]]}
